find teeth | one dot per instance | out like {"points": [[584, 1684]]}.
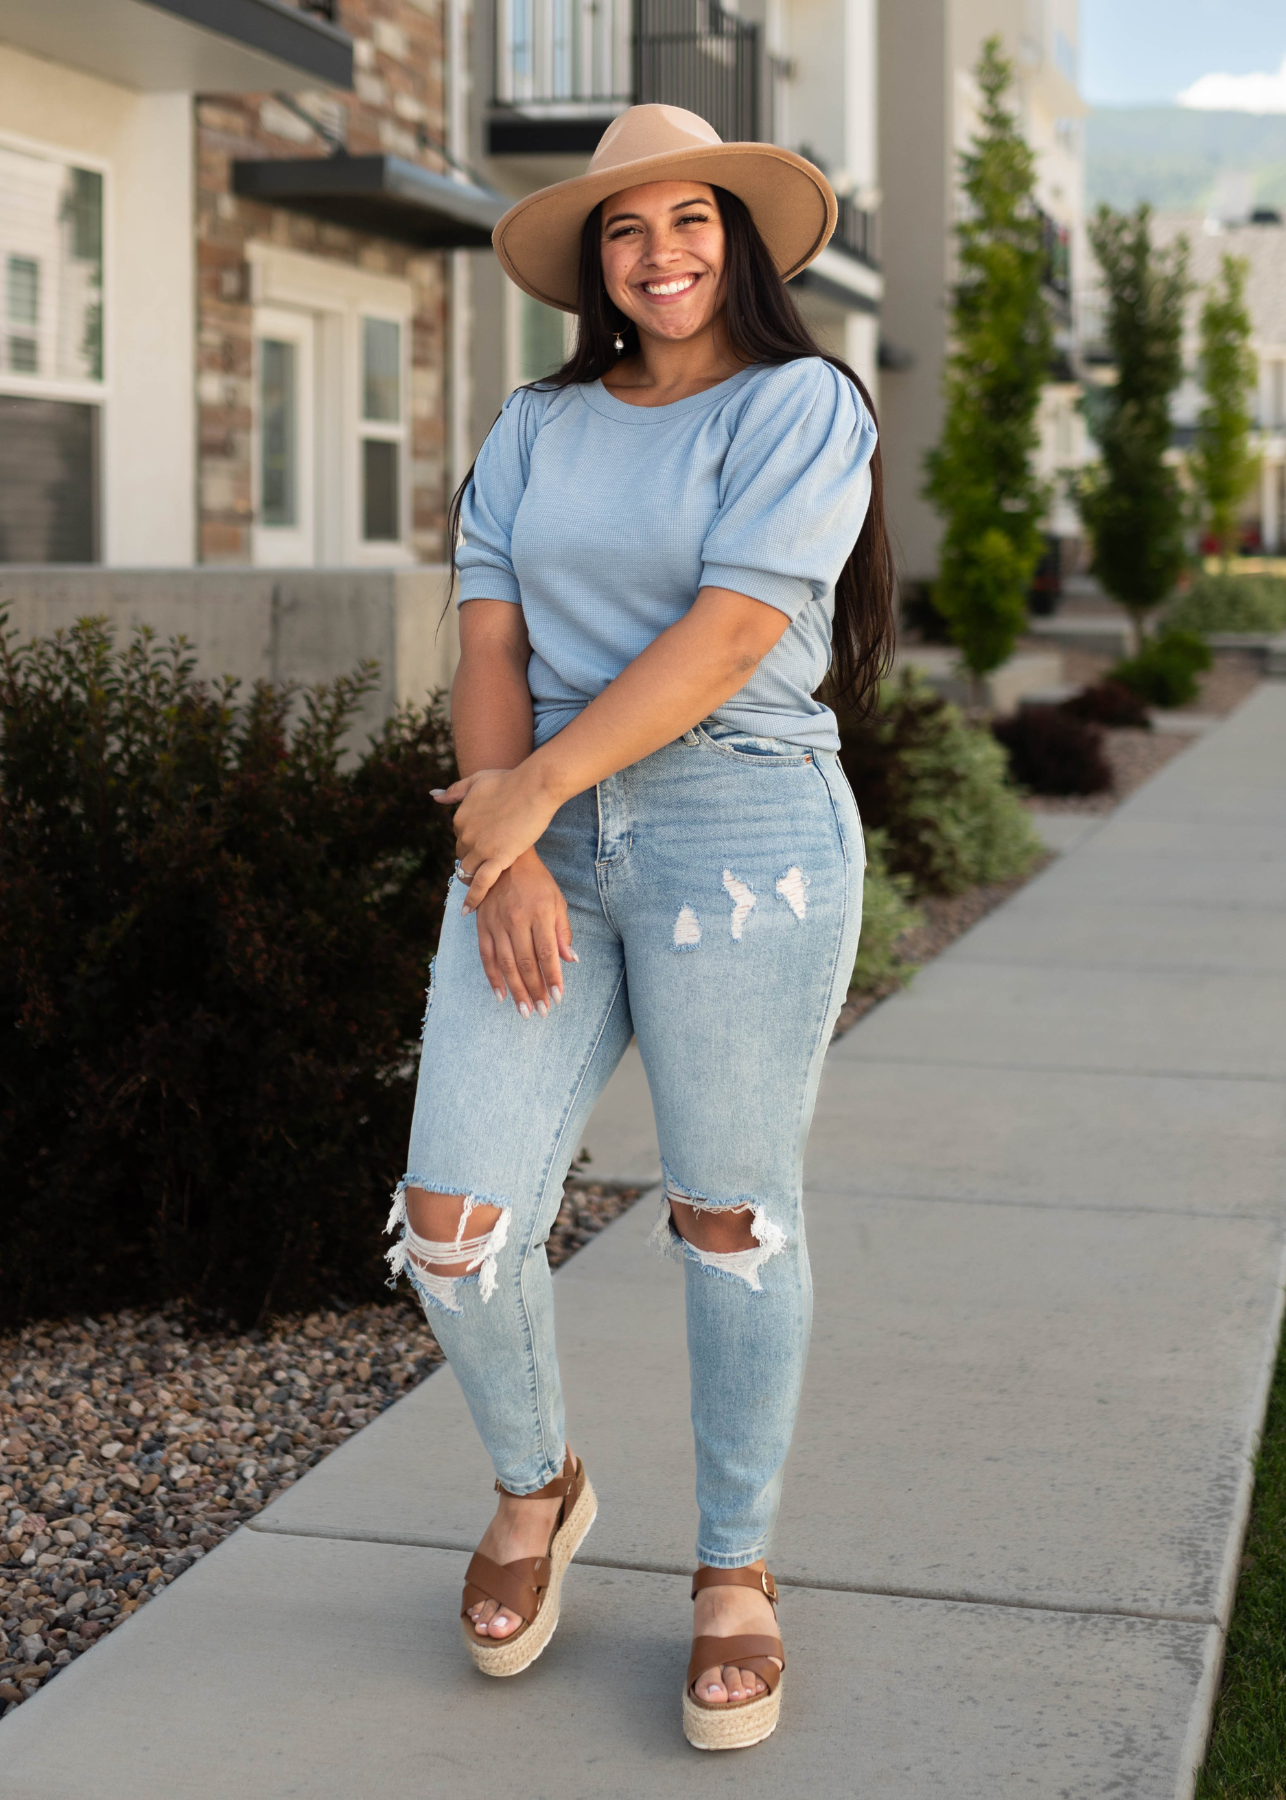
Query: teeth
{"points": [[669, 287]]}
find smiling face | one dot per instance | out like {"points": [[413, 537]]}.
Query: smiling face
{"points": [[663, 254]]}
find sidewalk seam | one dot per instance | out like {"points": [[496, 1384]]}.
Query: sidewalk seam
{"points": [[943, 1596]]}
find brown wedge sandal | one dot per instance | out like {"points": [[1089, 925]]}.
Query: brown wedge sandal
{"points": [[530, 1587], [734, 1724]]}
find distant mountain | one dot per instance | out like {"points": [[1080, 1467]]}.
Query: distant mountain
{"points": [[1171, 155]]}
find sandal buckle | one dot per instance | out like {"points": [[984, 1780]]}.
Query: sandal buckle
{"points": [[769, 1586]]}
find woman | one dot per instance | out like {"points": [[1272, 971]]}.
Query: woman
{"points": [[650, 544]]}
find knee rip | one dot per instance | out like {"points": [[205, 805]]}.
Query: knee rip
{"points": [[759, 1237], [435, 1266]]}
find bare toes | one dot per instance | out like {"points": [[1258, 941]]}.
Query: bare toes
{"points": [[732, 1681], [711, 1688]]}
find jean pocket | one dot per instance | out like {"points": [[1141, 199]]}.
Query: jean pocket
{"points": [[746, 747]]}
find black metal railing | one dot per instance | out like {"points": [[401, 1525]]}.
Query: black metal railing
{"points": [[1057, 242], [855, 232], [564, 58]]}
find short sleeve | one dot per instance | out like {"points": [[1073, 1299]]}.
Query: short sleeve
{"points": [[491, 503], [796, 485]]}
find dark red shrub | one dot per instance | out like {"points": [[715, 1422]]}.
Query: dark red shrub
{"points": [[1051, 752], [1109, 702]]}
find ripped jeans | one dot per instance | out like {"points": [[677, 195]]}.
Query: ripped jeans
{"points": [[715, 898]]}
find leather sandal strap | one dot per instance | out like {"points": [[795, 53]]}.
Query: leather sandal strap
{"points": [[517, 1586], [747, 1578], [738, 1653]]}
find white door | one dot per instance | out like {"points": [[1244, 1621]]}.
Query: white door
{"points": [[285, 532]]}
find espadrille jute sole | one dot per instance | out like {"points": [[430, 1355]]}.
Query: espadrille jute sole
{"points": [[511, 1655], [730, 1727]]}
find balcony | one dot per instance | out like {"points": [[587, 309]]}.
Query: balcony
{"points": [[564, 69], [1056, 279], [187, 46]]}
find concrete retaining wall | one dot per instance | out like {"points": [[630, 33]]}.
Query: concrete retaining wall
{"points": [[304, 625]]}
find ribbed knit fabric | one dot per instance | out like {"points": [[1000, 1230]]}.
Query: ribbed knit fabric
{"points": [[602, 520]]}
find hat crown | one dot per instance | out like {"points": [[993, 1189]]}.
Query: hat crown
{"points": [[651, 130]]}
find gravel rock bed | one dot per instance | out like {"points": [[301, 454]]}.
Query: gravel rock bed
{"points": [[132, 1444]]}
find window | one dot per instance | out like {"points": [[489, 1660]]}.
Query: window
{"points": [[51, 356], [278, 433], [382, 430]]}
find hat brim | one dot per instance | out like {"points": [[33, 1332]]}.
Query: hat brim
{"points": [[790, 201]]}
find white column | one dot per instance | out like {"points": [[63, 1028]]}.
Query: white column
{"points": [[1269, 491]]}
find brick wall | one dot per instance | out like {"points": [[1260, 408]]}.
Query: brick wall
{"points": [[397, 107]]}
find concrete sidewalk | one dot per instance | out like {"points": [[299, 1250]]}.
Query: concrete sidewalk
{"points": [[1046, 1207]]}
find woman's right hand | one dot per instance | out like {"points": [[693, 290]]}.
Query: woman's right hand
{"points": [[525, 936]]}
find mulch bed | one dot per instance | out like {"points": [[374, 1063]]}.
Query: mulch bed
{"points": [[132, 1444]]}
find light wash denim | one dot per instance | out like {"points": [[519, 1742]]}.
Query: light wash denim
{"points": [[715, 898]]}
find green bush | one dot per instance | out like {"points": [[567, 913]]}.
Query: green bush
{"points": [[887, 912], [214, 938], [1231, 603], [1164, 673], [938, 788]]}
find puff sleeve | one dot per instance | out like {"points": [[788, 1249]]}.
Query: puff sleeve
{"points": [[795, 488], [491, 503]]}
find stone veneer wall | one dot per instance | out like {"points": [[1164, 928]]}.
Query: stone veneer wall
{"points": [[397, 107]]}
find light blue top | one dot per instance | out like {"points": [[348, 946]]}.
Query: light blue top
{"points": [[602, 520]]}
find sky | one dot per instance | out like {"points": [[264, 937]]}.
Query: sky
{"points": [[1212, 53]]}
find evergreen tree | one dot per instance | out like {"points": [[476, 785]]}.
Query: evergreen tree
{"points": [[980, 475], [1223, 463], [1130, 500]]}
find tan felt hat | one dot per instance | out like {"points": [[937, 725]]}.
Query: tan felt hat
{"points": [[791, 202]]}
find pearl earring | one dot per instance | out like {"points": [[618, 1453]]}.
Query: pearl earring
{"points": [[620, 343]]}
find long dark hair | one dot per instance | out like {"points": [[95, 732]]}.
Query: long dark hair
{"points": [[763, 326]]}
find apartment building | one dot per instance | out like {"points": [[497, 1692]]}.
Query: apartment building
{"points": [[548, 77], [227, 229], [929, 109]]}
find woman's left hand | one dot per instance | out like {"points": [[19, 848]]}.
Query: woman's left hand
{"points": [[500, 813]]}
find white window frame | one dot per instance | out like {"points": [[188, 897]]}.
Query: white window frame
{"points": [[385, 430], [288, 546], [338, 296], [57, 387]]}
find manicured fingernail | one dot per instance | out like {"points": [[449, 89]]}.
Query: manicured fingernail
{"points": [[542, 1009], [571, 956], [437, 792], [558, 996], [524, 1009], [500, 995], [466, 909]]}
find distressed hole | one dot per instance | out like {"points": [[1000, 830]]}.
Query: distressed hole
{"points": [[687, 929], [793, 888], [737, 1265], [426, 1261], [743, 901]]}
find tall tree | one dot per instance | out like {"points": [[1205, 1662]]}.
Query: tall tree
{"points": [[1223, 462], [980, 476], [1130, 500]]}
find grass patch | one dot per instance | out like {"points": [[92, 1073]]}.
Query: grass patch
{"points": [[1247, 1755]]}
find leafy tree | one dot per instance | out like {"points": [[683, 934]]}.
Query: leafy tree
{"points": [[1223, 463], [980, 475], [1130, 500]]}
